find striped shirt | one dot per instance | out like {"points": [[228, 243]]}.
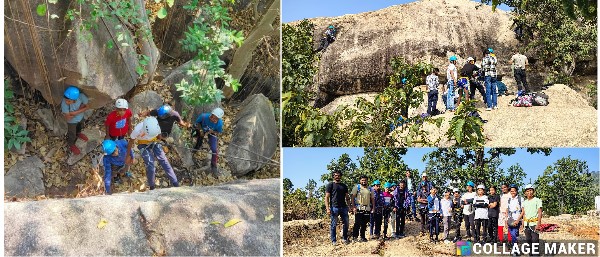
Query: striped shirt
{"points": [[489, 65]]}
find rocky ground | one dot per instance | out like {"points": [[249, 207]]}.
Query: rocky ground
{"points": [[82, 179], [568, 121], [311, 238]]}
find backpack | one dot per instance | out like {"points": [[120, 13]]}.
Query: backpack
{"points": [[523, 101], [501, 87], [358, 193], [540, 99]]}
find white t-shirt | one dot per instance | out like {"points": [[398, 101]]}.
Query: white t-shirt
{"points": [[451, 71], [140, 133], [514, 209], [446, 209], [481, 213], [467, 210]]}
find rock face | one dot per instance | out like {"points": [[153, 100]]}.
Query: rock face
{"points": [[55, 53], [24, 179], [173, 221], [144, 101], [95, 138], [58, 125], [428, 30], [254, 136]]}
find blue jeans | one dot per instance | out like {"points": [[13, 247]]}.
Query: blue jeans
{"points": [[155, 151], [432, 98], [450, 96], [434, 225], [414, 206], [491, 92], [514, 233], [371, 223], [213, 143], [343, 212]]}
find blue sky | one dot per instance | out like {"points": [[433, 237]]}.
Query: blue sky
{"points": [[293, 10], [302, 164]]}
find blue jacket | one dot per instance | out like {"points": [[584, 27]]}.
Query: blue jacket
{"points": [[116, 160], [430, 203]]}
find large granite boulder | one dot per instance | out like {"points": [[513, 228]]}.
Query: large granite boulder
{"points": [[24, 179], [147, 100]]}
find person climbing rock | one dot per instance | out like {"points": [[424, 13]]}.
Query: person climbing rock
{"points": [[118, 122], [451, 76], [114, 159], [166, 117], [146, 135], [328, 38], [470, 71], [210, 124], [519, 62], [489, 67], [72, 106]]}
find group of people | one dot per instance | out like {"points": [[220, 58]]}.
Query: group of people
{"points": [[471, 78], [485, 213], [148, 134]]}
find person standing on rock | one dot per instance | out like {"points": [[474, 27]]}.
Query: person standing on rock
{"points": [[468, 213], [210, 124], [434, 207], [378, 209], [72, 106], [146, 134], [362, 202], [336, 199], [114, 158], [118, 122], [489, 67], [532, 215], [493, 212], [519, 62], [452, 77], [457, 213], [469, 70], [481, 204], [432, 94], [401, 204], [503, 215], [166, 116], [328, 38]]}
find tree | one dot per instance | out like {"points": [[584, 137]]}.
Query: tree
{"points": [[384, 164], [567, 187], [311, 188], [287, 186]]}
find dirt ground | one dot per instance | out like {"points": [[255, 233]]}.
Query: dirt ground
{"points": [[568, 121], [311, 238]]}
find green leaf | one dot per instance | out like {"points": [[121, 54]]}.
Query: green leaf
{"points": [[215, 223], [162, 13], [140, 70], [41, 9], [170, 3]]}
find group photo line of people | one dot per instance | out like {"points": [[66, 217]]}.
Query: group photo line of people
{"points": [[488, 214]]}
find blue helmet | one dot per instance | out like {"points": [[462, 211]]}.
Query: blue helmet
{"points": [[513, 186], [394, 184], [377, 182], [109, 146], [470, 183], [163, 110], [331, 26], [404, 80], [387, 185], [491, 50], [453, 58], [72, 93]]}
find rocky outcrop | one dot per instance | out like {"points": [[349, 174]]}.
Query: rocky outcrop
{"points": [[24, 179], [95, 138], [254, 136], [174, 222], [51, 54], [56, 124], [427, 30], [147, 100]]}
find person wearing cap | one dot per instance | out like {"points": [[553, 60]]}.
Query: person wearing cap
{"points": [[146, 135], [389, 205], [166, 117], [362, 202], [481, 204], [73, 105], [432, 91], [519, 62], [336, 204], [434, 208], [401, 204], [210, 124], [118, 122], [514, 210], [412, 213], [446, 214], [378, 209], [426, 182], [468, 211], [489, 67], [493, 212], [458, 213], [531, 215], [328, 38], [422, 199], [114, 159], [503, 215], [452, 77], [470, 71]]}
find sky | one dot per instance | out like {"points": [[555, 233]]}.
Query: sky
{"points": [[293, 10], [302, 164]]}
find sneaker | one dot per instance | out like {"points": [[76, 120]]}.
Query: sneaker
{"points": [[496, 107], [83, 137], [488, 109], [346, 241], [362, 239], [118, 180], [333, 243], [74, 150]]}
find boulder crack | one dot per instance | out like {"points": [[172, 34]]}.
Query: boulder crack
{"points": [[156, 240]]}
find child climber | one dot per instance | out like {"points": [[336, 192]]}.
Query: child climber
{"points": [[118, 122], [114, 158], [210, 124], [72, 106]]}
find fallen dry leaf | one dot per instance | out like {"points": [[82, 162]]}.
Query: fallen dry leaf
{"points": [[102, 223], [232, 222]]}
